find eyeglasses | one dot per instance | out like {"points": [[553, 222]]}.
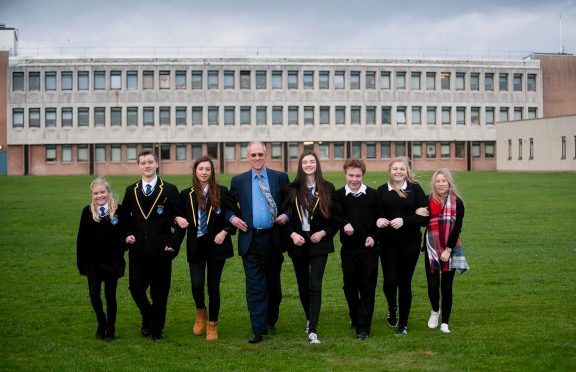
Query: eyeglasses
{"points": [[257, 154]]}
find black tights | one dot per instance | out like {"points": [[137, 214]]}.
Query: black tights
{"points": [[94, 286], [309, 273], [440, 283], [197, 277]]}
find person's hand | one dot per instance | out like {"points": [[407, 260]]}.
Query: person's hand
{"points": [[317, 236], [369, 243], [130, 239], [297, 239], [181, 221], [397, 223], [382, 222], [168, 249], [422, 211], [348, 229], [219, 238], [445, 256], [281, 219], [239, 224]]}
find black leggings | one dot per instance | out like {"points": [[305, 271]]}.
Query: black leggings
{"points": [[94, 286], [198, 279], [309, 273], [440, 283]]}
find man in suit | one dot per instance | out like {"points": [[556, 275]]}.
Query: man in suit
{"points": [[150, 207], [260, 193]]}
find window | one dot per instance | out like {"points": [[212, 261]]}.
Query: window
{"points": [[131, 152], [180, 152], [164, 77], [489, 81], [323, 151], [50, 151], [474, 81], [244, 79], [181, 115], [309, 115], [460, 81], [164, 115], [276, 151], [416, 115], [230, 151], [503, 82], [66, 116], [338, 150], [339, 80], [81, 153], [532, 112], [370, 150], [531, 82], [517, 82], [34, 118], [324, 114], [356, 149], [563, 155], [386, 115], [212, 149], [212, 79], [430, 81], [165, 151], [415, 80], [213, 115], [99, 80], [400, 149], [115, 80], [245, 115], [293, 115], [489, 150], [475, 149], [355, 115], [66, 80], [370, 80], [503, 114], [461, 115], [370, 115], [276, 79], [260, 79], [431, 115], [50, 117], [475, 115], [229, 80], [385, 152], [34, 81], [340, 115], [83, 80], [446, 119], [197, 115], [517, 113], [180, 79], [50, 81], [132, 116], [489, 115], [100, 153], [99, 116], [384, 80], [261, 115], [459, 150], [354, 79], [445, 150], [196, 150], [292, 79], [115, 153], [519, 148], [400, 80], [416, 150], [430, 150], [229, 115], [115, 116], [401, 115], [324, 79], [531, 150], [17, 81], [293, 150], [308, 80], [445, 80], [148, 80], [277, 115], [196, 79], [131, 80], [148, 116]]}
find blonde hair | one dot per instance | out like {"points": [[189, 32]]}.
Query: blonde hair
{"points": [[452, 186], [409, 174], [112, 203]]}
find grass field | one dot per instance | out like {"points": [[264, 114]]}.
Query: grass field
{"points": [[514, 310]]}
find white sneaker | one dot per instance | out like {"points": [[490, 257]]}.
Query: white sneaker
{"points": [[444, 328], [313, 338], [433, 321], [307, 327]]}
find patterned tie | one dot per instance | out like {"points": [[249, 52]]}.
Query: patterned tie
{"points": [[269, 198], [102, 211], [148, 191], [202, 221]]}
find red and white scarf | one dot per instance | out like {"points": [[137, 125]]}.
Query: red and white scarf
{"points": [[441, 224]]}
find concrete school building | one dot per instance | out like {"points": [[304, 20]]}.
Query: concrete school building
{"points": [[92, 115]]}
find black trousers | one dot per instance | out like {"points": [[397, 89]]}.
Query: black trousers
{"points": [[202, 271], [398, 264], [360, 272], [155, 275], [309, 274], [94, 288], [440, 283]]}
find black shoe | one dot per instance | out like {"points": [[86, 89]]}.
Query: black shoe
{"points": [[402, 330], [156, 336], [101, 332], [255, 338], [110, 334], [392, 319], [145, 330], [362, 336]]}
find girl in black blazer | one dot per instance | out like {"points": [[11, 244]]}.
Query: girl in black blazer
{"points": [[310, 233], [208, 244], [100, 254]]}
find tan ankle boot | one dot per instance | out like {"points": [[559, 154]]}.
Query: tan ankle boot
{"points": [[200, 322], [212, 331]]}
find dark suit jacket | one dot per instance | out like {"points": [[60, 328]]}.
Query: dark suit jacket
{"points": [[241, 190], [151, 220], [188, 203]]}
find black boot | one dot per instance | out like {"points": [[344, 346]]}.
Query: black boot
{"points": [[110, 333], [101, 330]]}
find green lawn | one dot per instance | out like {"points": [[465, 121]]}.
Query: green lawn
{"points": [[514, 310]]}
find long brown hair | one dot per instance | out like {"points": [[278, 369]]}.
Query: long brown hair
{"points": [[299, 188], [213, 189]]}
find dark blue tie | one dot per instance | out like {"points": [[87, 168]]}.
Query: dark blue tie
{"points": [[102, 211], [148, 190], [202, 221]]}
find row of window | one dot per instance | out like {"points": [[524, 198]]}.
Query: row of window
{"points": [[264, 79], [531, 148], [238, 151], [311, 115]]}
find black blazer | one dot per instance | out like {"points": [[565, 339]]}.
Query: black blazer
{"points": [[150, 219], [317, 222], [188, 203], [99, 247]]}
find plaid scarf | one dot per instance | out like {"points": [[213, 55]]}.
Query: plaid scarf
{"points": [[441, 224]]}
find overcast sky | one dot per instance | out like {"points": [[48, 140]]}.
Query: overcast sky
{"points": [[499, 26]]}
